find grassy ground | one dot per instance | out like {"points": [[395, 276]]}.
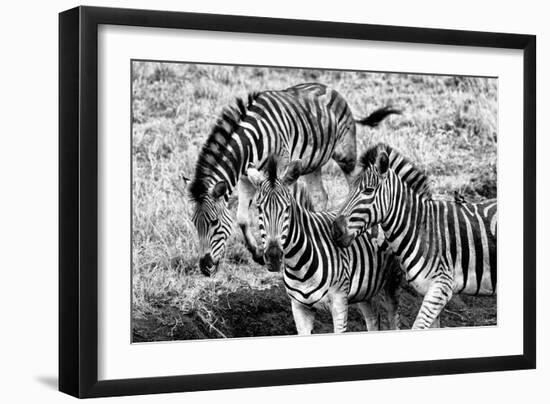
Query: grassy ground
{"points": [[448, 127]]}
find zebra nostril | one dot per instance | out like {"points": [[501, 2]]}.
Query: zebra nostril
{"points": [[336, 231], [338, 227], [206, 265], [274, 252], [273, 258]]}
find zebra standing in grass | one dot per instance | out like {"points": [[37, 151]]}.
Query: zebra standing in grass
{"points": [[317, 273], [308, 121], [444, 247]]}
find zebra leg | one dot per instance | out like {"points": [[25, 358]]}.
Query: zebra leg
{"points": [[314, 182], [391, 303], [392, 290], [370, 315], [436, 323], [303, 317], [246, 193], [438, 295], [339, 311]]}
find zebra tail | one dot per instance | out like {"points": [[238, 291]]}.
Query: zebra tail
{"points": [[378, 116]]}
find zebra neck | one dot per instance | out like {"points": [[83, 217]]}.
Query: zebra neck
{"points": [[248, 144], [297, 235], [407, 224]]}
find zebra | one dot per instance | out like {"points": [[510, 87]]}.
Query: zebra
{"points": [[317, 273], [308, 121], [444, 247]]}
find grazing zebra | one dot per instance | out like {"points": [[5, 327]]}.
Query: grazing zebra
{"points": [[317, 273], [307, 121], [444, 247]]}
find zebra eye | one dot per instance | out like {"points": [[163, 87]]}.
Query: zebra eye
{"points": [[215, 222], [368, 190]]}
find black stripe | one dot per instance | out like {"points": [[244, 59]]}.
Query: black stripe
{"points": [[478, 245], [465, 257], [452, 232]]}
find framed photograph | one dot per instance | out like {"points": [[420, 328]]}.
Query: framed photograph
{"points": [[251, 201]]}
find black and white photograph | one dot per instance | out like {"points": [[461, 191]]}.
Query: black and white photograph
{"points": [[275, 202], [271, 201]]}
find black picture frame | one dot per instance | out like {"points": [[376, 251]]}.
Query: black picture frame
{"points": [[78, 201]]}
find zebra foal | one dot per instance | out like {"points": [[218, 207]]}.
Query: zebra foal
{"points": [[316, 272], [444, 247]]}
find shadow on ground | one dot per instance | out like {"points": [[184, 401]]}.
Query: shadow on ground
{"points": [[48, 381]]}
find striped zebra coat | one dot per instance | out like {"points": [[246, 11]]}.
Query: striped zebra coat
{"points": [[316, 272], [307, 121], [444, 247]]}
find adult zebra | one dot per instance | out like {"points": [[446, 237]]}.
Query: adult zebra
{"points": [[307, 121], [317, 273], [445, 247]]}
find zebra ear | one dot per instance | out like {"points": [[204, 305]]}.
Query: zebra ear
{"points": [[382, 163], [293, 172], [219, 189], [256, 177]]}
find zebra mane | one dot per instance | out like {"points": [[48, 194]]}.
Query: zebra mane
{"points": [[402, 166], [216, 143], [298, 190]]}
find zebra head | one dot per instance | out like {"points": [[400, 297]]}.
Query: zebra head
{"points": [[274, 202], [213, 223], [364, 206]]}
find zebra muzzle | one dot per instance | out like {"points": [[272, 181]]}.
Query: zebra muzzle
{"points": [[273, 258], [207, 265], [340, 232]]}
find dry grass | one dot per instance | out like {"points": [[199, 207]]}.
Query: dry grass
{"points": [[448, 127]]}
